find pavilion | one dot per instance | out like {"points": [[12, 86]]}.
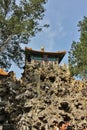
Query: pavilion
{"points": [[43, 56]]}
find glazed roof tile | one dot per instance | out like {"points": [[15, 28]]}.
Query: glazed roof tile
{"points": [[2, 72]]}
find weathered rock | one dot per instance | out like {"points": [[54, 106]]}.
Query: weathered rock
{"points": [[44, 93]]}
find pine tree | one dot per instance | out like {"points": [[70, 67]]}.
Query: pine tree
{"points": [[19, 21], [78, 52]]}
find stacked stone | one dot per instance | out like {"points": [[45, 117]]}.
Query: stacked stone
{"points": [[52, 94], [46, 93], [2, 102], [6, 83]]}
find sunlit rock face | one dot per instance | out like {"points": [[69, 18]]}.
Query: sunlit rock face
{"points": [[45, 93]]}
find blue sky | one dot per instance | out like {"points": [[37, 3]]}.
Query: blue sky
{"points": [[63, 17]]}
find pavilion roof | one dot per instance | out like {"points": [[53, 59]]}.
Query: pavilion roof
{"points": [[59, 54], [3, 73]]}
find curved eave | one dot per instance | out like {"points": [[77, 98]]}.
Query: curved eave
{"points": [[44, 52]]}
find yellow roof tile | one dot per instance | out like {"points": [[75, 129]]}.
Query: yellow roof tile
{"points": [[2, 72]]}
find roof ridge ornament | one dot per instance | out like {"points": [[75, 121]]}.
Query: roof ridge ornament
{"points": [[42, 48]]}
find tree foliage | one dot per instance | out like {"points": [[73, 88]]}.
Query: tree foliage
{"points": [[78, 52], [19, 21]]}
